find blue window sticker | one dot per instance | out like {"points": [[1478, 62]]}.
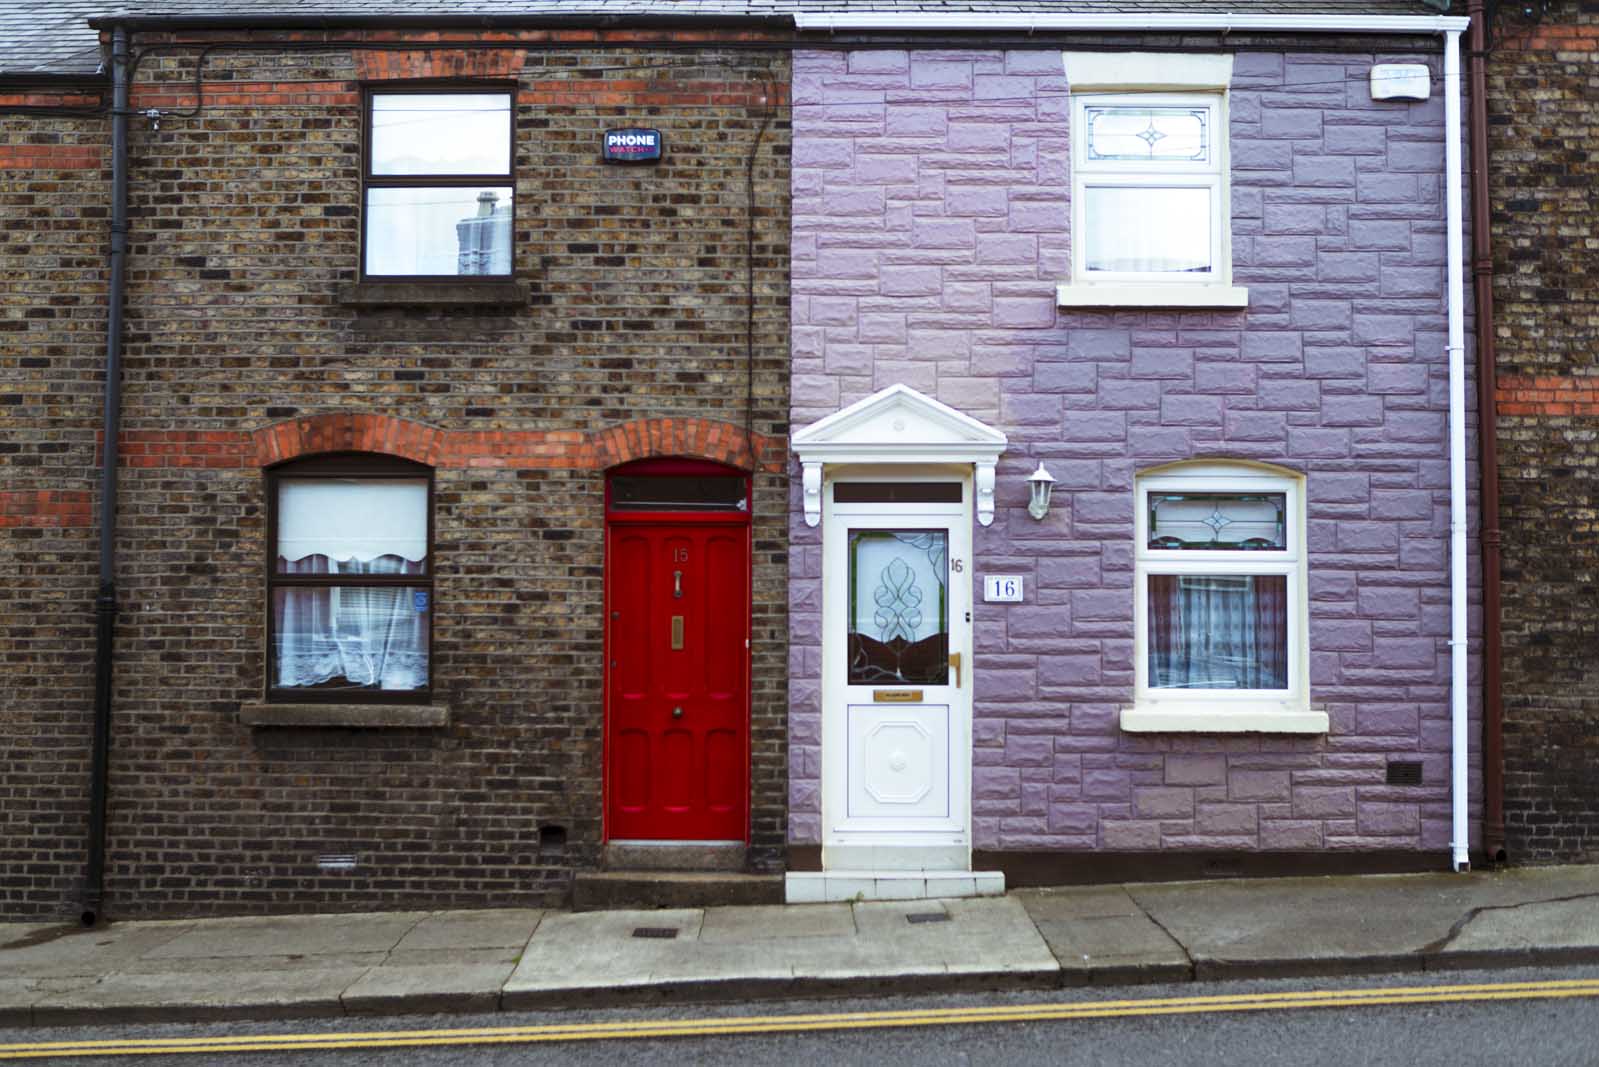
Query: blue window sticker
{"points": [[420, 599]]}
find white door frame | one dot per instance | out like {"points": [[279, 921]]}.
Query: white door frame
{"points": [[936, 835], [896, 434]]}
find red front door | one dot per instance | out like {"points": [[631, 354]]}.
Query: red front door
{"points": [[677, 692]]}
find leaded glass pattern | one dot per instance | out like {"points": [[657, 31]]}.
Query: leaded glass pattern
{"points": [[1218, 521], [898, 630], [1148, 134]]}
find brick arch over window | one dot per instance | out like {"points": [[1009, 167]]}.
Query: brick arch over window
{"points": [[693, 438], [710, 439], [337, 432]]}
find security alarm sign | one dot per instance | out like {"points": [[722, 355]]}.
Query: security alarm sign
{"points": [[632, 146]]}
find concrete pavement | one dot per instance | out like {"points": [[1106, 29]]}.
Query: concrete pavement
{"points": [[321, 965]]}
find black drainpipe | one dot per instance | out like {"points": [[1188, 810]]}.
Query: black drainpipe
{"points": [[105, 606]]}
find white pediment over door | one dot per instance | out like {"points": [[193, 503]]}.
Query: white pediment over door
{"points": [[898, 425]]}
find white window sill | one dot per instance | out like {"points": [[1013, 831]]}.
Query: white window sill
{"points": [[1151, 296], [1203, 717]]}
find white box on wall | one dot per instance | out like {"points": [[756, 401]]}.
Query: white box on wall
{"points": [[1401, 81]]}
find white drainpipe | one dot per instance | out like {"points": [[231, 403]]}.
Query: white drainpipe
{"points": [[1451, 27], [1458, 778]]}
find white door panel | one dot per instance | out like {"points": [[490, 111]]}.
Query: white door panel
{"points": [[896, 718]]}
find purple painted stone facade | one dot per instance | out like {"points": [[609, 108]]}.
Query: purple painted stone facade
{"points": [[930, 230]]}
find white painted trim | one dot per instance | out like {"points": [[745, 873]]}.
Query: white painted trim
{"points": [[1101, 72], [879, 430], [1070, 295], [812, 488], [1170, 716], [989, 21]]}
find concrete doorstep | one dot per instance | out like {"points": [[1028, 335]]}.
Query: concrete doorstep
{"points": [[478, 961]]}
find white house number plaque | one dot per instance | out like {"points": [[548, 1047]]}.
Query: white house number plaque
{"points": [[1002, 588]]}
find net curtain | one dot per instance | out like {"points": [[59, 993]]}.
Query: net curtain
{"points": [[1226, 632], [360, 636]]}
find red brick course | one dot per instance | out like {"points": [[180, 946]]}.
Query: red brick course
{"points": [[1548, 395], [45, 508], [50, 157]]}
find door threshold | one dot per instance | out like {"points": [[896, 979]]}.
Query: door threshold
{"points": [[817, 887], [653, 855]]}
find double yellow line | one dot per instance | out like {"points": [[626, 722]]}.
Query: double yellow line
{"points": [[784, 1024]]}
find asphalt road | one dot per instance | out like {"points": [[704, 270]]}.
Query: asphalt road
{"points": [[1513, 1022]]}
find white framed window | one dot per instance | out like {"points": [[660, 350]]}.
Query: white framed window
{"points": [[1150, 196], [1220, 614]]}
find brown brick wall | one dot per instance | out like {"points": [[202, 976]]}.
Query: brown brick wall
{"points": [[1543, 124], [244, 225], [53, 213]]}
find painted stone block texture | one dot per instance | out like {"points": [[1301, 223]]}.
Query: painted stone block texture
{"points": [[1336, 370]]}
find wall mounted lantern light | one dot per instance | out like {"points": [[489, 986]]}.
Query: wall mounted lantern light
{"points": [[1039, 485]]}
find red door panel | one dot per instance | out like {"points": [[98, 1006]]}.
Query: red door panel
{"points": [[677, 764]]}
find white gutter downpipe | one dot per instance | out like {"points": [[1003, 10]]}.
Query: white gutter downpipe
{"points": [[1451, 27], [1458, 776]]}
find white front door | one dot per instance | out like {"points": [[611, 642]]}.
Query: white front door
{"points": [[896, 668]]}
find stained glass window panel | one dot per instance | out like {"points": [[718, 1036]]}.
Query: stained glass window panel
{"points": [[1218, 521], [898, 629], [1134, 134]]}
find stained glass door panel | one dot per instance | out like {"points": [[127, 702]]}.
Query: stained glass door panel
{"points": [[898, 630]]}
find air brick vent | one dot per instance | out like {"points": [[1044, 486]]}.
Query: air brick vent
{"points": [[1404, 772]]}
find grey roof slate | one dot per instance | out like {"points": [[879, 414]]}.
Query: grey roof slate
{"points": [[54, 37]]}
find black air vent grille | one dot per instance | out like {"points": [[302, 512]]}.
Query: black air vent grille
{"points": [[1404, 773], [659, 933], [927, 917]]}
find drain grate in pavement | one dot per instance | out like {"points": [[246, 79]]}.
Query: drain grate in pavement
{"points": [[660, 933], [927, 917]]}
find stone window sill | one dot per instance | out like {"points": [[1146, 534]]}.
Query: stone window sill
{"points": [[1151, 296], [1204, 717], [365, 715], [500, 293]]}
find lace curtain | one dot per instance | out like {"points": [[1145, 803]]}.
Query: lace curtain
{"points": [[1218, 632], [351, 635], [369, 636]]}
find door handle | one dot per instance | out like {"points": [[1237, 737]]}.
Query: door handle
{"points": [[955, 661]]}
